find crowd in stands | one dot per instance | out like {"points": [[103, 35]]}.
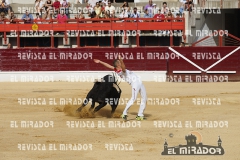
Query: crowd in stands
{"points": [[49, 9]]}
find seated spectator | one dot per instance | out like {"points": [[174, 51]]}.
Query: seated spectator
{"points": [[159, 16], [155, 9], [124, 14], [9, 46], [48, 5], [41, 7], [182, 6], [147, 15], [37, 6], [80, 16], [110, 8], [12, 18], [105, 2], [90, 9], [27, 17], [38, 19], [56, 6], [126, 7], [165, 8], [107, 15], [188, 5], [4, 7], [98, 10], [2, 18], [149, 7], [178, 16], [62, 17], [93, 14], [135, 14], [169, 17], [65, 5], [92, 3]]}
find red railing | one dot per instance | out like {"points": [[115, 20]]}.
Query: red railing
{"points": [[141, 24]]}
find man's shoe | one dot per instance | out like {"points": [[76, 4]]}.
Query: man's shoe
{"points": [[139, 118], [124, 117]]}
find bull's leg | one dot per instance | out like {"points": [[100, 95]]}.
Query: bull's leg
{"points": [[92, 106], [85, 102], [101, 105], [113, 109]]}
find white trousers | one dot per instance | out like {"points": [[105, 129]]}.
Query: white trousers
{"points": [[137, 87]]}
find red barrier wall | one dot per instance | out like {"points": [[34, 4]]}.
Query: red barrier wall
{"points": [[163, 59]]}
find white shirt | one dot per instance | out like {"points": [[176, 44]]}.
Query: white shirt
{"points": [[92, 2], [105, 1], [111, 9], [7, 2], [128, 76], [41, 4], [124, 14]]}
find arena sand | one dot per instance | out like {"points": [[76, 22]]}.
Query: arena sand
{"points": [[147, 141]]}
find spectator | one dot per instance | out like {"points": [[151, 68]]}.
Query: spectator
{"points": [[98, 10], [90, 10], [2, 18], [56, 6], [93, 14], [147, 15], [41, 7], [12, 18], [159, 16], [27, 17], [80, 16], [188, 5], [182, 6], [105, 2], [38, 19], [62, 18], [149, 7], [9, 46], [4, 7], [65, 5], [169, 17], [48, 6], [182, 44], [110, 8], [165, 8], [107, 15], [125, 6], [135, 14], [178, 16], [124, 14], [155, 9], [92, 3], [37, 2]]}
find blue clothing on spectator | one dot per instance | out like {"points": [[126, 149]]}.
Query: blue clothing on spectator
{"points": [[149, 15], [27, 16]]}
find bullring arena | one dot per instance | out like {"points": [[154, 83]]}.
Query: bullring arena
{"points": [[146, 137]]}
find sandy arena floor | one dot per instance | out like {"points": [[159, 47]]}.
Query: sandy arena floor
{"points": [[146, 142]]}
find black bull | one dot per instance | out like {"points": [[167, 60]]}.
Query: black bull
{"points": [[103, 92]]}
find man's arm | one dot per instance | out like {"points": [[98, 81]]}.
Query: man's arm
{"points": [[122, 64], [103, 63]]}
